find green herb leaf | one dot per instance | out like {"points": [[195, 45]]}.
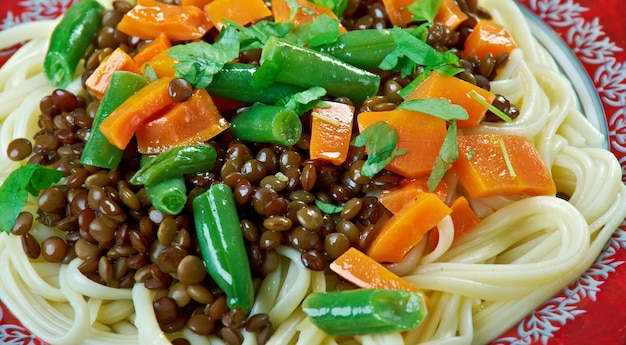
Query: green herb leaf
{"points": [[337, 6], [150, 73], [448, 154], [200, 61], [499, 113], [265, 74], [328, 208], [408, 89], [30, 178], [322, 30], [255, 36], [381, 143], [470, 154], [507, 159], [303, 101], [410, 52], [424, 10], [438, 107], [294, 7]]}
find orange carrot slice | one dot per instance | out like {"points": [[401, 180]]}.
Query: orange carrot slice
{"points": [[160, 44], [456, 91], [119, 60], [406, 192], [239, 11], [331, 131], [120, 126], [364, 272], [450, 14], [491, 165], [396, 11], [197, 3], [488, 37], [407, 228], [193, 121], [420, 134], [162, 65], [149, 18], [463, 217]]}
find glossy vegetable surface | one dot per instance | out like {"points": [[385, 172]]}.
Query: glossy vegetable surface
{"points": [[98, 150], [120, 126], [491, 164], [365, 311], [149, 18], [306, 68], [176, 161], [364, 272], [331, 132], [222, 245], [99, 80], [267, 124], [456, 91], [407, 227], [70, 40], [191, 122], [420, 134]]}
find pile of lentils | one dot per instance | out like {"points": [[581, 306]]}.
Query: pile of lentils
{"points": [[111, 226]]}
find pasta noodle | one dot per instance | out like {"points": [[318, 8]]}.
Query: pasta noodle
{"points": [[522, 253]]}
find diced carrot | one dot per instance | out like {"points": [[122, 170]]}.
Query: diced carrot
{"points": [[149, 18], [160, 44], [364, 272], [331, 131], [420, 134], [396, 11], [456, 91], [186, 123], [483, 168], [197, 3], [407, 228], [120, 126], [118, 60], [162, 64], [488, 37], [463, 217], [395, 199], [239, 11], [450, 14], [307, 12]]}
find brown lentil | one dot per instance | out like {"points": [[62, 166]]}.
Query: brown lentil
{"points": [[200, 294], [53, 249], [191, 270], [19, 149], [22, 224], [30, 245]]}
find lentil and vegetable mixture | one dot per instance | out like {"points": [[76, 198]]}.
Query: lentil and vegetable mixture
{"points": [[282, 195]]}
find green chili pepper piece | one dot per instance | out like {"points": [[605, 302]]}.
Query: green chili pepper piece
{"points": [[364, 49], [222, 245], [98, 151], [307, 68], [263, 123], [234, 81], [168, 196], [365, 311], [174, 162], [70, 41]]}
